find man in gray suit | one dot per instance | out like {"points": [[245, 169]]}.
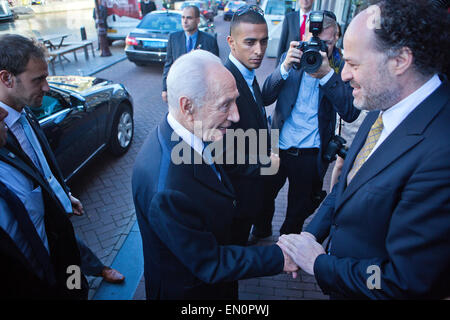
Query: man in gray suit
{"points": [[294, 26], [190, 38]]}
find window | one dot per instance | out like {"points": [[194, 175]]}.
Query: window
{"points": [[50, 105]]}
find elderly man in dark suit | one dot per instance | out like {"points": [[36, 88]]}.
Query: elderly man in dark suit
{"points": [[388, 217], [305, 114], [294, 26], [185, 203], [190, 38], [38, 246]]}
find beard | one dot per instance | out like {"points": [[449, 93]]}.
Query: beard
{"points": [[379, 93]]}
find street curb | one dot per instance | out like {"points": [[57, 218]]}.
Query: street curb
{"points": [[101, 68]]}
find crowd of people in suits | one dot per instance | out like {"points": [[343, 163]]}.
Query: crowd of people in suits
{"points": [[388, 211]]}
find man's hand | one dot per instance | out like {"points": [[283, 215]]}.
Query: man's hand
{"points": [[303, 249], [324, 68], [292, 56], [289, 264], [164, 96], [77, 207]]}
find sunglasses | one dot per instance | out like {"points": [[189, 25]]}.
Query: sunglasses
{"points": [[330, 14], [246, 8]]}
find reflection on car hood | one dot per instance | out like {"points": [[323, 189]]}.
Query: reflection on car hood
{"points": [[76, 83]]}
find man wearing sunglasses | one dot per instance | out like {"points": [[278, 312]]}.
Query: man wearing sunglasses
{"points": [[248, 43], [305, 114]]}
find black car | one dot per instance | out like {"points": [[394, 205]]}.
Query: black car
{"points": [[148, 42], [82, 116]]}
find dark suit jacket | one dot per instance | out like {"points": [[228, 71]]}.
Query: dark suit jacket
{"points": [[176, 46], [21, 281], [246, 178], [395, 213], [185, 215], [335, 96], [290, 32]]}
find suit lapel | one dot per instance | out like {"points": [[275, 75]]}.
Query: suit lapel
{"points": [[24, 166], [203, 172], [198, 43], [182, 40], [407, 135], [296, 21]]}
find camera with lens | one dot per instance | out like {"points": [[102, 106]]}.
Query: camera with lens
{"points": [[311, 59], [336, 146]]}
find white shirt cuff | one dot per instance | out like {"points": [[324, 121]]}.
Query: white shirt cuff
{"points": [[284, 73]]}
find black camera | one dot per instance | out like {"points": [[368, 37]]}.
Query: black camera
{"points": [[312, 59], [335, 147]]}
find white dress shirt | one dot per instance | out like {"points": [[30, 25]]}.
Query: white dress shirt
{"points": [[395, 115]]}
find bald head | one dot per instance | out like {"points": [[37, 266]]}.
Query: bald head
{"points": [[202, 93]]}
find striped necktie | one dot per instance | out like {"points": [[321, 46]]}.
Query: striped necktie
{"points": [[371, 141]]}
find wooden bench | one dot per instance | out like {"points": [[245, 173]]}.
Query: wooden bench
{"points": [[69, 47]]}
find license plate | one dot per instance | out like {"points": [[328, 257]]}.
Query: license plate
{"points": [[276, 22], [153, 44], [112, 31]]}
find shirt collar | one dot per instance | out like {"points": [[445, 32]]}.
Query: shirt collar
{"points": [[393, 116], [302, 13], [249, 75], [13, 115], [193, 36], [192, 140]]}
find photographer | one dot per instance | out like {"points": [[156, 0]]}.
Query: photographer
{"points": [[305, 114]]}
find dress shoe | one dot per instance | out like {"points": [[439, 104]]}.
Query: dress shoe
{"points": [[112, 275]]}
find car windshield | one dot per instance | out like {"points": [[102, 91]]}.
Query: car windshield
{"points": [[277, 7], [4, 7], [200, 5], [161, 22], [236, 5]]}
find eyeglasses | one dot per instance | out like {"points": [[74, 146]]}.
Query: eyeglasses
{"points": [[330, 14], [246, 8]]}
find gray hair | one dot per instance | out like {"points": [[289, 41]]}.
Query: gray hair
{"points": [[188, 77]]}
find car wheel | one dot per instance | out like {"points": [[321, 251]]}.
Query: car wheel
{"points": [[122, 130]]}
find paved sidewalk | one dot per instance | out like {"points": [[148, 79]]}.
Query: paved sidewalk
{"points": [[92, 65]]}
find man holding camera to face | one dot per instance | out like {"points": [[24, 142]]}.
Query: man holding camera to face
{"points": [[308, 94]]}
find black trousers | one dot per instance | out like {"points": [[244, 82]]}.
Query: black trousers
{"points": [[299, 166], [249, 194]]}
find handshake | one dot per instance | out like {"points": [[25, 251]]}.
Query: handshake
{"points": [[299, 251]]}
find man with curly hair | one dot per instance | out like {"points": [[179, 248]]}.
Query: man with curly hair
{"points": [[388, 218]]}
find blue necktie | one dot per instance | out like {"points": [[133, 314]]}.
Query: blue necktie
{"points": [[45, 169], [209, 159], [190, 45]]}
